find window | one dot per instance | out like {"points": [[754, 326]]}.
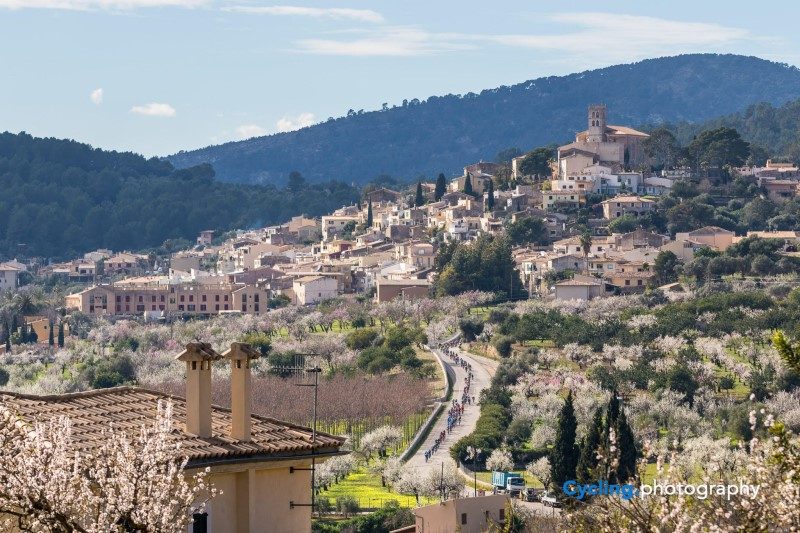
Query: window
{"points": [[226, 307], [127, 307], [183, 298], [119, 298], [463, 519], [162, 298], [627, 282], [216, 307], [226, 299], [255, 298], [202, 307], [639, 283], [127, 297], [153, 298], [200, 523], [244, 308], [119, 308], [255, 308], [191, 297], [191, 307], [180, 308], [244, 298], [216, 297], [204, 297], [502, 514]]}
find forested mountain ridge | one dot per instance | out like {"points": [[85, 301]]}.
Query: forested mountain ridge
{"points": [[775, 129], [444, 133], [61, 198]]}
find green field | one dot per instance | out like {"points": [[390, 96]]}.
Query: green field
{"points": [[366, 488]]}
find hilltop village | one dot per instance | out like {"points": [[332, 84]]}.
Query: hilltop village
{"points": [[583, 221]]}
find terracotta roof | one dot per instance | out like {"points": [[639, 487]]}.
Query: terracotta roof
{"points": [[128, 408], [624, 130]]}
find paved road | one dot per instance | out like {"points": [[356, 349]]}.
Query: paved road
{"points": [[483, 370]]}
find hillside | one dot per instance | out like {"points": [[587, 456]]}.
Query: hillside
{"points": [[443, 133], [774, 128], [60, 198]]}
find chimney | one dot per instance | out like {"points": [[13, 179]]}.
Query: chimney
{"points": [[240, 355], [198, 357]]}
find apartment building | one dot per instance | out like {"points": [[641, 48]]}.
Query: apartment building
{"points": [[158, 294]]}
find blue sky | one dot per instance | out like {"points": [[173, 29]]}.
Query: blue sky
{"points": [[158, 76]]}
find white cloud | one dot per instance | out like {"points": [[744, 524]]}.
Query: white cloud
{"points": [[154, 109], [87, 5], [245, 131], [612, 33], [397, 41], [361, 15], [295, 123], [584, 36], [97, 96]]}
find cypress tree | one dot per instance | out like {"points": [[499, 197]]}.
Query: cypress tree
{"points": [[612, 411], [51, 340], [564, 454], [441, 187], [468, 186], [490, 196], [587, 464], [626, 444], [8, 343], [369, 214], [60, 333], [420, 199]]}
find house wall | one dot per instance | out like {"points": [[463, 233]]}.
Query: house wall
{"points": [[255, 498]]}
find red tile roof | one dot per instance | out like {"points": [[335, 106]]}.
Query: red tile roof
{"points": [[128, 408]]}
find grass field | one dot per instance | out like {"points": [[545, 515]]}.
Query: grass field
{"points": [[366, 488]]}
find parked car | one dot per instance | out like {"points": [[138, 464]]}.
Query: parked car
{"points": [[530, 494], [549, 500]]}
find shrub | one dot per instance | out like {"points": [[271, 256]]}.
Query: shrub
{"points": [[347, 505], [110, 372], [361, 338], [503, 343], [471, 328]]}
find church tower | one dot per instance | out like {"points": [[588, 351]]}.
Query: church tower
{"points": [[597, 124]]}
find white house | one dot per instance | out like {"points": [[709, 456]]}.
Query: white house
{"points": [[314, 289], [9, 276]]}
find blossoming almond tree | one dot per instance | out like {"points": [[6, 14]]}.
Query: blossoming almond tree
{"points": [[127, 483]]}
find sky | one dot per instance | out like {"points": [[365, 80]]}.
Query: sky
{"points": [[159, 76]]}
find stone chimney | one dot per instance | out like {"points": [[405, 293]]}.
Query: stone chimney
{"points": [[240, 355], [198, 357]]}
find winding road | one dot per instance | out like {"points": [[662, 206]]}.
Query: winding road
{"points": [[482, 369]]}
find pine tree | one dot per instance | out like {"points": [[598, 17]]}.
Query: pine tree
{"points": [[587, 464], [564, 454], [468, 186], [490, 196], [60, 333], [419, 201], [626, 444], [369, 214], [51, 340], [441, 187]]}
